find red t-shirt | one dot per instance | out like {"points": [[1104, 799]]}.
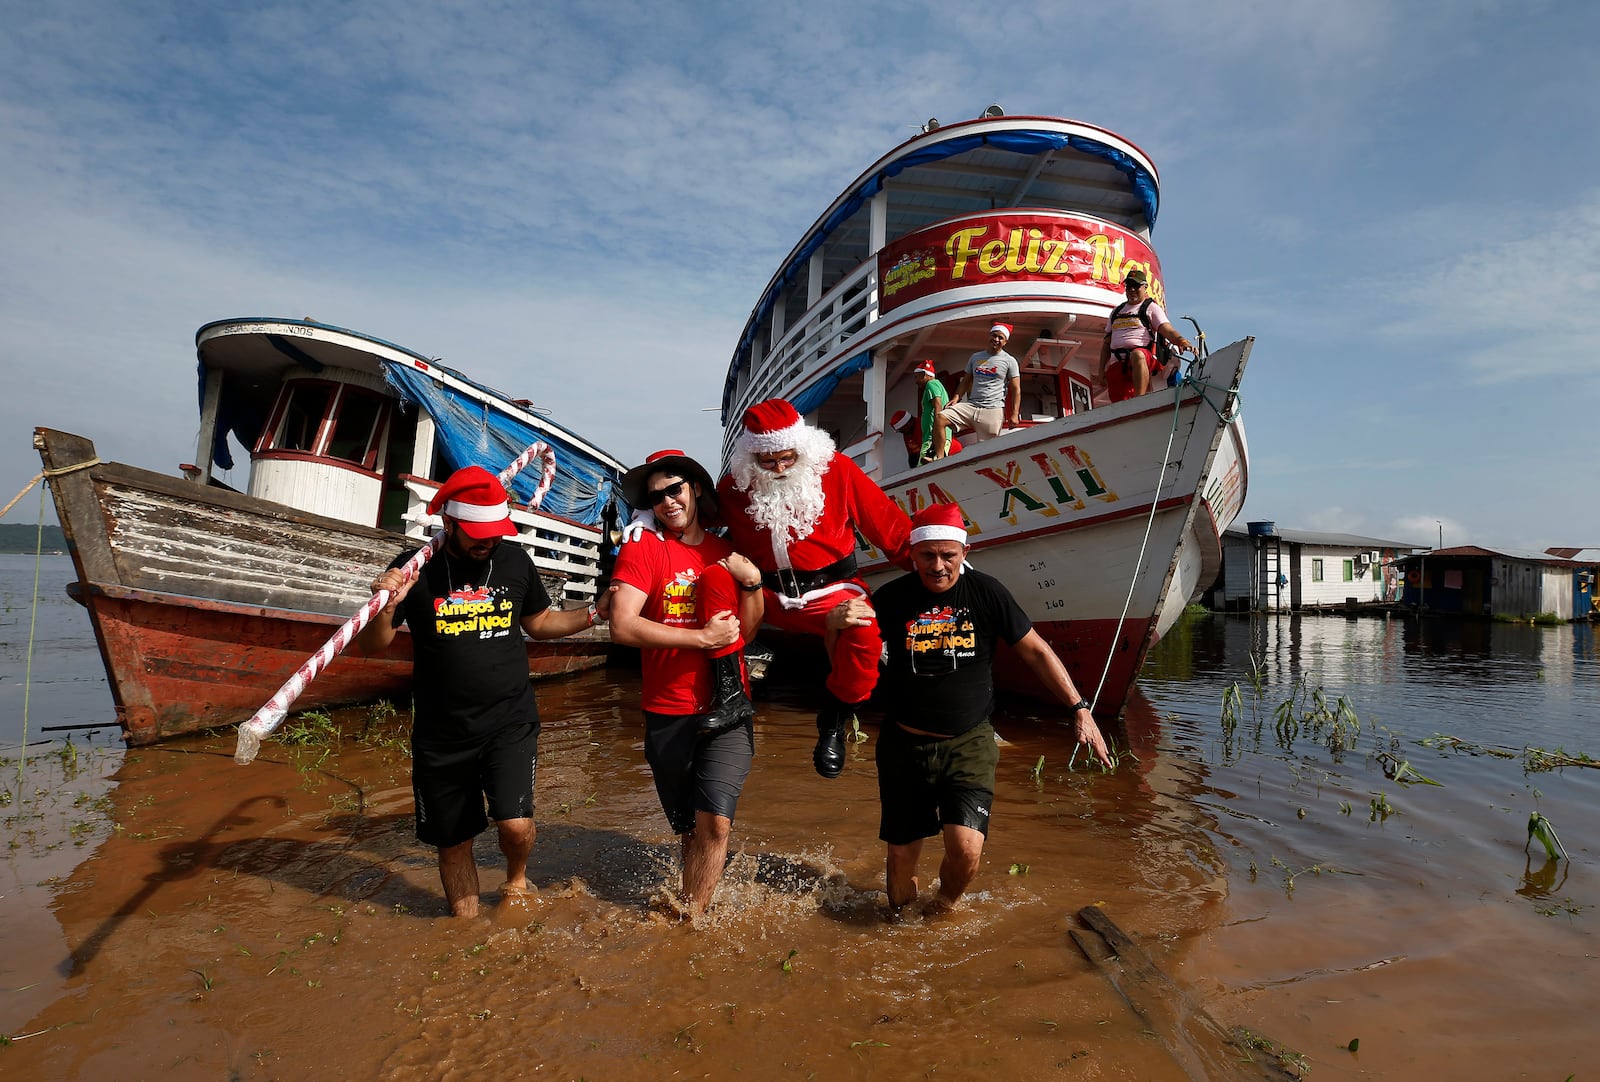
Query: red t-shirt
{"points": [[667, 571]]}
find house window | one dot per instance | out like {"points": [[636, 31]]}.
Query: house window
{"points": [[1316, 570], [1349, 571]]}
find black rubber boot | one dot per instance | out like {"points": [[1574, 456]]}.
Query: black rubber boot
{"points": [[730, 706], [828, 756]]}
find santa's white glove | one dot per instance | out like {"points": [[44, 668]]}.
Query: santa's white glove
{"points": [[641, 523]]}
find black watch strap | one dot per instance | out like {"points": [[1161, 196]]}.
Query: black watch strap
{"points": [[1082, 704]]}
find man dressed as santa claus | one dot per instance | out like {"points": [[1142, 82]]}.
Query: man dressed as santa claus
{"points": [[792, 504]]}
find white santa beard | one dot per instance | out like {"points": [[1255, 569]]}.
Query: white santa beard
{"points": [[788, 504]]}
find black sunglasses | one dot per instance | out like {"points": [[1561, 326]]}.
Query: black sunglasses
{"points": [[661, 495]]}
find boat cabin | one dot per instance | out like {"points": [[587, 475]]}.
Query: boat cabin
{"points": [[1030, 221], [349, 427]]}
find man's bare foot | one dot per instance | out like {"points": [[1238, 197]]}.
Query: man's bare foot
{"points": [[521, 894]]}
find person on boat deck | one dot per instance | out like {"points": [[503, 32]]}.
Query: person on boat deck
{"points": [[917, 444], [932, 398], [793, 504], [1127, 353], [690, 603], [475, 727], [936, 751], [992, 384]]}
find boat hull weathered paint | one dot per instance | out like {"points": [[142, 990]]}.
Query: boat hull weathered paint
{"points": [[1101, 528], [204, 600]]}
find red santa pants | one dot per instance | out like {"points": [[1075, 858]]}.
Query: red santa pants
{"points": [[719, 593], [856, 651]]}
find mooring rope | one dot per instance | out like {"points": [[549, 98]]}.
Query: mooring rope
{"points": [[33, 621], [1227, 417], [41, 475]]}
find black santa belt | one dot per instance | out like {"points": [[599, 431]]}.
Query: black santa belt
{"points": [[791, 583]]}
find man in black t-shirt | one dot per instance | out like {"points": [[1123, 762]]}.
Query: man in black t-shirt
{"points": [[475, 726], [936, 752]]}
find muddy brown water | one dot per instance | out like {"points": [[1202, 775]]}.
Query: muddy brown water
{"points": [[170, 914]]}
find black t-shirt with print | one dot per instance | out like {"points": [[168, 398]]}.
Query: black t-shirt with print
{"points": [[470, 674], [941, 648]]}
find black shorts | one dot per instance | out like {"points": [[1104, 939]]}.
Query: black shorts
{"points": [[693, 774], [450, 782], [927, 782]]}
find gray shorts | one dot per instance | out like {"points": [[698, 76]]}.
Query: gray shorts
{"points": [[984, 423], [694, 773], [926, 783]]}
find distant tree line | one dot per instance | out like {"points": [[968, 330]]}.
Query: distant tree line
{"points": [[24, 537]]}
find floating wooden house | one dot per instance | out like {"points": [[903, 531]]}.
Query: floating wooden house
{"points": [[1271, 570], [1479, 581]]}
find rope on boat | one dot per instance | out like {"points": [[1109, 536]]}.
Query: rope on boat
{"points": [[1144, 544], [1226, 415], [33, 621]]}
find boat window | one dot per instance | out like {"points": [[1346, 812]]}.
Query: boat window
{"points": [[357, 422], [306, 403]]}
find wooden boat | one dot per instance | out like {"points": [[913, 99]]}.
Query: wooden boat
{"points": [[1104, 519], [204, 599]]}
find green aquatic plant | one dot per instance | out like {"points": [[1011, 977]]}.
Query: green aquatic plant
{"points": [[1541, 828], [1036, 772], [1397, 769]]}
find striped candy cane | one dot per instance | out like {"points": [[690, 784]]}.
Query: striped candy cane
{"points": [[276, 709]]}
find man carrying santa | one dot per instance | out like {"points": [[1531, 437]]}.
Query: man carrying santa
{"points": [[792, 504]]}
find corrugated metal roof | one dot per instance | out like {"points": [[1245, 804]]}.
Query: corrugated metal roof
{"points": [[1485, 552], [1332, 540]]}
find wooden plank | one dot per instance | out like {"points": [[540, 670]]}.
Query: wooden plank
{"points": [[1204, 1048]]}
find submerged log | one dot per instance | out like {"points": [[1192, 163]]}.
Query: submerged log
{"points": [[1204, 1048]]}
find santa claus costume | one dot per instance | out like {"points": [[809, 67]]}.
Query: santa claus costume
{"points": [[797, 522]]}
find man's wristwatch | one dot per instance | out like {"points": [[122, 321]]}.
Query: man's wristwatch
{"points": [[751, 587], [594, 616], [1081, 704]]}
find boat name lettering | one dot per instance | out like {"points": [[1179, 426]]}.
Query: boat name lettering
{"points": [[1014, 491]]}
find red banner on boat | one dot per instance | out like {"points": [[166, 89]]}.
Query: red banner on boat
{"points": [[1012, 246]]}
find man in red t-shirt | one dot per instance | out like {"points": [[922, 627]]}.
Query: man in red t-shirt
{"points": [[690, 603]]}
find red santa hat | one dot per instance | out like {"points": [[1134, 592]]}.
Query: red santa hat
{"points": [[476, 499], [924, 367], [939, 522], [900, 419], [770, 426], [1004, 329]]}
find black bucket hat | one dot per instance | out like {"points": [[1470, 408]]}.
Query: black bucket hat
{"points": [[671, 461]]}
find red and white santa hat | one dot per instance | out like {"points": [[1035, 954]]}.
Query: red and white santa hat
{"points": [[476, 499], [924, 366], [1004, 329], [770, 426], [900, 419], [939, 522]]}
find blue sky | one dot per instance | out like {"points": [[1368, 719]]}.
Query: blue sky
{"points": [[1401, 201]]}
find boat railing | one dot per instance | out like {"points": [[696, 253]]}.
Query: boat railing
{"points": [[842, 312]]}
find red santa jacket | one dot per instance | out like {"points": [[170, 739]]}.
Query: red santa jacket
{"points": [[852, 501]]}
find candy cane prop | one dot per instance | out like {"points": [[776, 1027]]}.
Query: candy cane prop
{"points": [[271, 715]]}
